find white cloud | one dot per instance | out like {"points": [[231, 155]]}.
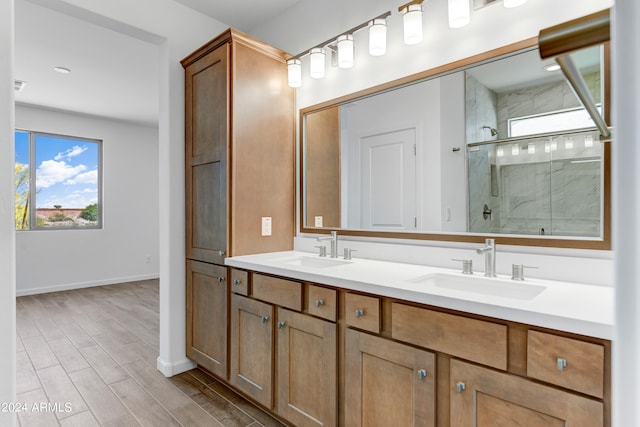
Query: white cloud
{"points": [[51, 172], [71, 152], [90, 177]]}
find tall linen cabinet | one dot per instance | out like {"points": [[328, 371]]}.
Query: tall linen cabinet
{"points": [[240, 168]]}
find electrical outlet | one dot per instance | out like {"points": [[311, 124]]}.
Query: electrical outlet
{"points": [[448, 214], [318, 221], [147, 259], [266, 226]]}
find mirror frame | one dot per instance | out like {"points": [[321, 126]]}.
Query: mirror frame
{"points": [[600, 244]]}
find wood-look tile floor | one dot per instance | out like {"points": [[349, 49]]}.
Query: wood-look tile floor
{"points": [[87, 357]]}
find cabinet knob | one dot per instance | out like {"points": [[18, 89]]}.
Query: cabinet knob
{"points": [[221, 252], [265, 319], [319, 303], [422, 374], [220, 279], [236, 282], [460, 386], [561, 363], [281, 325], [359, 312]]}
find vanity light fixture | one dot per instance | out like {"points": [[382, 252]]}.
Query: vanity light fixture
{"points": [[588, 141], [568, 143], [515, 150], [459, 13], [500, 152], [377, 37], [341, 49], [531, 149], [513, 3], [412, 21], [554, 144], [294, 72], [317, 62], [345, 51]]}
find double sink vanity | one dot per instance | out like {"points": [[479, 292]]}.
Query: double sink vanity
{"points": [[366, 342]]}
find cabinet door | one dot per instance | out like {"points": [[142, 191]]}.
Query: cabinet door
{"points": [[252, 348], [207, 302], [206, 127], [481, 397], [387, 383], [306, 369]]}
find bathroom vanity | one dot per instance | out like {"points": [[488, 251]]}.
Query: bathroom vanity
{"points": [[328, 341]]}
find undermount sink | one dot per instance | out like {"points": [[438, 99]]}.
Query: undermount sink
{"points": [[313, 262], [481, 285]]}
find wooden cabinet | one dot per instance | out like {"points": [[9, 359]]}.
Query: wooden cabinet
{"points": [[472, 339], [387, 383], [239, 149], [566, 362], [252, 348], [207, 302], [482, 397], [307, 369]]}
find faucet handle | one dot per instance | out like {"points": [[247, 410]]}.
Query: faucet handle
{"points": [[323, 250], [517, 271], [467, 265], [347, 252]]}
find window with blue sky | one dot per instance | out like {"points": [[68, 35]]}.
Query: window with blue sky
{"points": [[57, 181]]}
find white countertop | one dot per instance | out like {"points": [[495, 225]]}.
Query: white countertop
{"points": [[571, 307]]}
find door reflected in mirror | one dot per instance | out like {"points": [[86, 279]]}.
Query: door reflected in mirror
{"points": [[499, 147]]}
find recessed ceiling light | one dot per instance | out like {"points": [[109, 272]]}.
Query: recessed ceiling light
{"points": [[62, 70], [552, 67]]}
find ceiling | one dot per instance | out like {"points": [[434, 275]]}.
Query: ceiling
{"points": [[112, 74], [241, 14]]}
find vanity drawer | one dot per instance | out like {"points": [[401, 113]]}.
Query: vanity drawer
{"points": [[362, 312], [471, 339], [239, 282], [566, 362], [282, 292], [321, 302]]}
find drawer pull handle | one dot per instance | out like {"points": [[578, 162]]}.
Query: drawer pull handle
{"points": [[561, 363], [281, 325], [236, 282], [460, 386], [221, 253], [359, 312], [422, 374], [220, 279], [319, 303], [265, 319]]}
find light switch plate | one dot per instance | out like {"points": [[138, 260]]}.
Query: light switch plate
{"points": [[266, 226], [318, 221]]}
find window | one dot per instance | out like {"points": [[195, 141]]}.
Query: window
{"points": [[57, 182], [556, 121]]}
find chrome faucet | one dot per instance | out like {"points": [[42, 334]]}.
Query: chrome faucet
{"points": [[489, 251], [334, 243]]}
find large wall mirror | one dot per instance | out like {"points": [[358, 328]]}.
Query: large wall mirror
{"points": [[497, 145]]}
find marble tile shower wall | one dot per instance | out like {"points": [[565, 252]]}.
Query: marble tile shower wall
{"points": [[481, 110], [539, 197], [536, 100]]}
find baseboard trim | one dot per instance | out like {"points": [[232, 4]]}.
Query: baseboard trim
{"points": [[80, 285], [170, 369]]}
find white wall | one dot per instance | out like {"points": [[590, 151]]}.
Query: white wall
{"points": [[626, 211], [64, 259], [7, 233]]}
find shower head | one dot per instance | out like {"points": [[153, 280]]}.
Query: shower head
{"points": [[494, 131]]}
